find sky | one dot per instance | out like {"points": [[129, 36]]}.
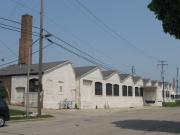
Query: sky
{"points": [[141, 42]]}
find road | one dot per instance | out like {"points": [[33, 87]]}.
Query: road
{"points": [[154, 121]]}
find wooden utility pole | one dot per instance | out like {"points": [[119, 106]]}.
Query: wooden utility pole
{"points": [[162, 63], [177, 81], [40, 90]]}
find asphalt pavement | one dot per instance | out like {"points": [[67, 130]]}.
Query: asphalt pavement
{"points": [[141, 121]]}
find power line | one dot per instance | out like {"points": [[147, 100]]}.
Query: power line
{"points": [[13, 21], [15, 29], [10, 27], [72, 46], [79, 55], [81, 51], [47, 17], [16, 60], [113, 31], [52, 21], [20, 58], [10, 50]]}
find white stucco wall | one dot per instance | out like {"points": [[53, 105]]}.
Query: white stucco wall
{"points": [[88, 99], [19, 81], [59, 87]]}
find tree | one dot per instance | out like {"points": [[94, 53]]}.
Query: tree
{"points": [[167, 11], [3, 92]]}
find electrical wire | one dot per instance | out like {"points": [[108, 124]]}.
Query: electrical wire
{"points": [[52, 21], [10, 27], [115, 33], [16, 60], [98, 62], [81, 51], [13, 21], [80, 56], [5, 45]]}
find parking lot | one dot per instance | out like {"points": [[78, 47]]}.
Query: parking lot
{"points": [[149, 121]]}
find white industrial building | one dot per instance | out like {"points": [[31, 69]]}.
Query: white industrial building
{"points": [[81, 87], [58, 84]]}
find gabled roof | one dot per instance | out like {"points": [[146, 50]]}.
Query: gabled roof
{"points": [[80, 71], [160, 83], [146, 80], [107, 74], [136, 78], [124, 76], [17, 69], [154, 82]]}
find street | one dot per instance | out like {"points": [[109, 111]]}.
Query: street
{"points": [[152, 121]]}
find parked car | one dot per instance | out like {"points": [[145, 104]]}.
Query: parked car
{"points": [[4, 112]]}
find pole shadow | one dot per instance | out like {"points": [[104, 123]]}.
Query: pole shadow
{"points": [[149, 125]]}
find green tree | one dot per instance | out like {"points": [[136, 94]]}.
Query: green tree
{"points": [[167, 11], [3, 92]]}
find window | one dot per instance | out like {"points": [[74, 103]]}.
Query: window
{"points": [[60, 85], [49, 87], [98, 88], [141, 92], [87, 82], [33, 85], [130, 91], [60, 89], [20, 93], [124, 90], [108, 89], [167, 94], [137, 92], [116, 90]]}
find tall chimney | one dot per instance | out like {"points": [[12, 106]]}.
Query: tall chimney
{"points": [[25, 40]]}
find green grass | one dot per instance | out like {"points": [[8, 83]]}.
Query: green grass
{"points": [[14, 112], [31, 118], [172, 104], [20, 115]]}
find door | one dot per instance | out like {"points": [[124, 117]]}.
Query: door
{"points": [[20, 95]]}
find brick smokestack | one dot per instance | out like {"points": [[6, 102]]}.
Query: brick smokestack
{"points": [[25, 40]]}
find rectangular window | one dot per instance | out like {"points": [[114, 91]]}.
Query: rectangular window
{"points": [[141, 92], [130, 91], [108, 89], [60, 89], [167, 94], [137, 93], [98, 88], [60, 85], [116, 90], [124, 90]]}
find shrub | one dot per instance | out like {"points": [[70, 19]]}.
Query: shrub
{"points": [[3, 92], [171, 104]]}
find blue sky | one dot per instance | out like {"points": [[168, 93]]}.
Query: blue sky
{"points": [[131, 19]]}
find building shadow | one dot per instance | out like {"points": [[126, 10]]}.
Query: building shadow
{"points": [[150, 125]]}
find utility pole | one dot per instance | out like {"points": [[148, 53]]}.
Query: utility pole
{"points": [[162, 63], [177, 81], [40, 90], [133, 71], [27, 92]]}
